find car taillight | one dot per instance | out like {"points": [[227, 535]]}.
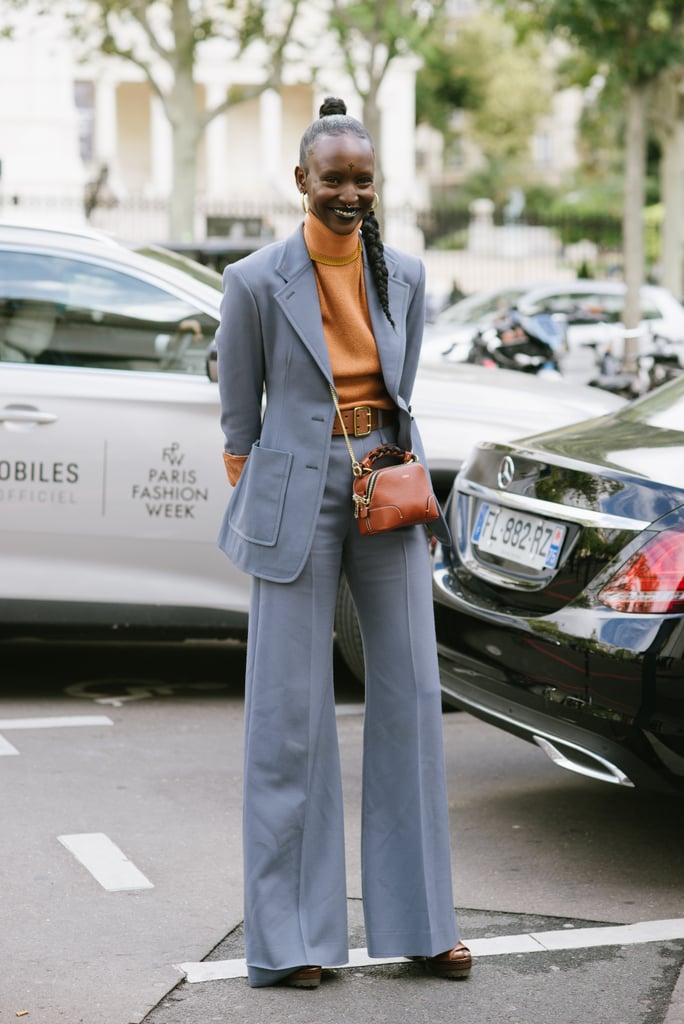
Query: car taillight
{"points": [[652, 581]]}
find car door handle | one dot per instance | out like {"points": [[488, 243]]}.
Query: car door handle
{"points": [[26, 414]]}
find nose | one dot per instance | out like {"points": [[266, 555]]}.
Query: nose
{"points": [[349, 195]]}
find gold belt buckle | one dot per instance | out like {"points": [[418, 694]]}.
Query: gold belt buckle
{"points": [[357, 429]]}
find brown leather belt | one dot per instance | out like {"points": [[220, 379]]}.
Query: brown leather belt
{"points": [[363, 419]]}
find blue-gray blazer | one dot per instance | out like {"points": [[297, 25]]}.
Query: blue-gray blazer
{"points": [[274, 377]]}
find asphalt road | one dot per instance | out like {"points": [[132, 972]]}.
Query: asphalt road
{"points": [[121, 864]]}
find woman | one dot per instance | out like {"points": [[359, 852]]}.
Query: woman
{"points": [[330, 304]]}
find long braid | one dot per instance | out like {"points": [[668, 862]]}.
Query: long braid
{"points": [[334, 120], [376, 260]]}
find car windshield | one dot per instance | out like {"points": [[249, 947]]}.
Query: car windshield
{"points": [[173, 259], [479, 305]]}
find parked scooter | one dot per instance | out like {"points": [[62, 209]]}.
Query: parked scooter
{"points": [[659, 364], [530, 344], [666, 359]]}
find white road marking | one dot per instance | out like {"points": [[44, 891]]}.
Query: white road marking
{"points": [[534, 942], [105, 861], [56, 722], [6, 747]]}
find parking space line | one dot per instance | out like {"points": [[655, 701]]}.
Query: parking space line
{"points": [[533, 942], [105, 861], [6, 747], [55, 722]]}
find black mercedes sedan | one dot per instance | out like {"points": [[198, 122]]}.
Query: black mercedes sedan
{"points": [[560, 606]]}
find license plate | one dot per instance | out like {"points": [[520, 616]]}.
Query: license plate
{"points": [[528, 540]]}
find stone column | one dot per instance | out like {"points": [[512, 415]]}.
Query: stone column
{"points": [[271, 130], [106, 128], [398, 149]]}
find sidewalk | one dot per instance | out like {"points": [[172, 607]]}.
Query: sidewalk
{"points": [[528, 970]]}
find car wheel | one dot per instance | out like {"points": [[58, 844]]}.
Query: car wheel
{"points": [[347, 632]]}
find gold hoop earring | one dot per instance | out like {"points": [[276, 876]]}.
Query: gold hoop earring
{"points": [[376, 201], [305, 202]]}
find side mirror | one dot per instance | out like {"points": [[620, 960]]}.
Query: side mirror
{"points": [[212, 363]]}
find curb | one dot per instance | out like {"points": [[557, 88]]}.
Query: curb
{"points": [[675, 1013]]}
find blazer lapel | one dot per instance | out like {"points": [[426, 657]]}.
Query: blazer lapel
{"points": [[298, 299]]}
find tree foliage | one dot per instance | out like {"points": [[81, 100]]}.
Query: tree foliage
{"points": [[373, 33], [446, 82], [635, 42], [636, 38], [481, 70], [513, 93]]}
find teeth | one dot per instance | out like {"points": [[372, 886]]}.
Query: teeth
{"points": [[345, 213]]}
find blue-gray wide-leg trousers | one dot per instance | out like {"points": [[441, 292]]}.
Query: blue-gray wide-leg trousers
{"points": [[294, 860]]}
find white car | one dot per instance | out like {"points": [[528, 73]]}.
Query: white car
{"points": [[590, 311], [112, 484]]}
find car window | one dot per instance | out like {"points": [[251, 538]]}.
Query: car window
{"points": [[650, 312], [58, 310]]}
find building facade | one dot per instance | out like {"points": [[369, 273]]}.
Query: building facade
{"points": [[91, 138]]}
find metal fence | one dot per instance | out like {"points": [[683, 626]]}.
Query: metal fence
{"points": [[462, 251]]}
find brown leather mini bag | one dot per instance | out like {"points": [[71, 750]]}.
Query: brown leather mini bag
{"points": [[391, 487], [387, 497]]}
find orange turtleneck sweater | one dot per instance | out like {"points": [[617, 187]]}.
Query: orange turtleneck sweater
{"points": [[354, 359], [347, 326]]}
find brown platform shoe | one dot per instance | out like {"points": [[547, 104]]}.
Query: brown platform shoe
{"points": [[304, 977], [454, 963]]}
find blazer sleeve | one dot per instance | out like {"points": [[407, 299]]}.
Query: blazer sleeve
{"points": [[240, 355]]}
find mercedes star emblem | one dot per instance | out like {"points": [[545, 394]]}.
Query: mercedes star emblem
{"points": [[506, 472]]}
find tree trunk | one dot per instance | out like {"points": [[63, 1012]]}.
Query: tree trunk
{"points": [[186, 131], [672, 193], [666, 113], [633, 225]]}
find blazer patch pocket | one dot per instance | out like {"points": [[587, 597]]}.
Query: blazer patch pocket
{"points": [[257, 506]]}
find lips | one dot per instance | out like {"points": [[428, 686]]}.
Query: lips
{"points": [[345, 214]]}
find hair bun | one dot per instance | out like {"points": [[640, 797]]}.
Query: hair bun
{"points": [[332, 105]]}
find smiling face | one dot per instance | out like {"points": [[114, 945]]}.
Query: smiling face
{"points": [[338, 179]]}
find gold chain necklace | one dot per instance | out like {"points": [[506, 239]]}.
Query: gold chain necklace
{"points": [[336, 261]]}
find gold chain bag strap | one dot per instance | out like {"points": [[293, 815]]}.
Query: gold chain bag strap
{"points": [[391, 488]]}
